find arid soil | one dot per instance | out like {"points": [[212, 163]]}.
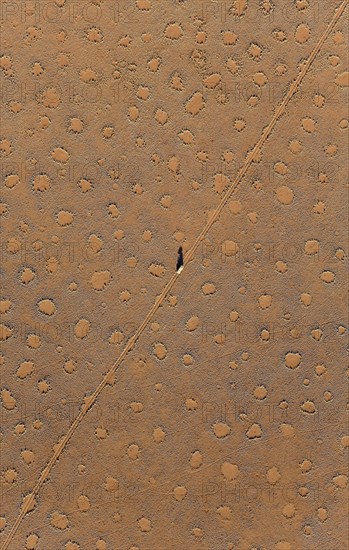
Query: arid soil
{"points": [[146, 404]]}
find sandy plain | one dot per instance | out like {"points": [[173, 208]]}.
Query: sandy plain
{"points": [[149, 409]]}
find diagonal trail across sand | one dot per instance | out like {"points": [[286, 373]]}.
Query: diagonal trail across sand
{"points": [[87, 404]]}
